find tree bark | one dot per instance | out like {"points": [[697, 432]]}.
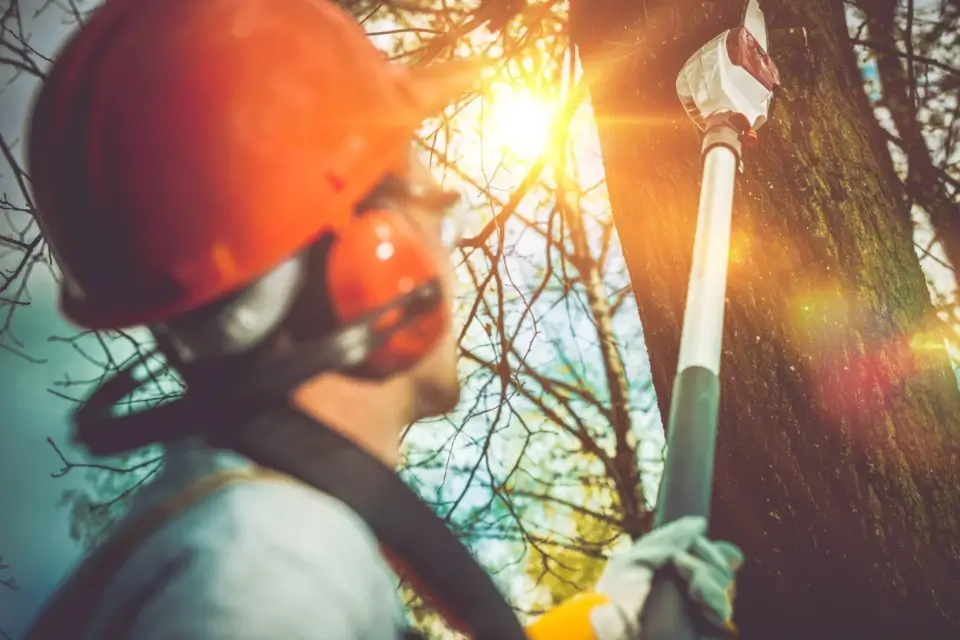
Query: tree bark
{"points": [[839, 443]]}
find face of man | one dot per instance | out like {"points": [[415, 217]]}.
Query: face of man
{"points": [[435, 381]]}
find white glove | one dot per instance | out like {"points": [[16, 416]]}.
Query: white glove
{"points": [[708, 568]]}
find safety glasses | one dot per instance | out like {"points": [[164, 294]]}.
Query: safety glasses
{"points": [[438, 207]]}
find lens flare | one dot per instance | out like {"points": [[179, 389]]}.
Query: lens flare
{"points": [[519, 121]]}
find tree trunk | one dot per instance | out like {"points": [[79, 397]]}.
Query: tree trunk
{"points": [[839, 444]]}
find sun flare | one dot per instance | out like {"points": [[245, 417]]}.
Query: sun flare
{"points": [[518, 121]]}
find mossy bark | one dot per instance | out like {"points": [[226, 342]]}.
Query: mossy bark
{"points": [[838, 461]]}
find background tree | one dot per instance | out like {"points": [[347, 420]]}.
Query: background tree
{"points": [[914, 88], [918, 88], [554, 456], [839, 431]]}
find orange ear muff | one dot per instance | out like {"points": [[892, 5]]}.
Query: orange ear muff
{"points": [[379, 257]]}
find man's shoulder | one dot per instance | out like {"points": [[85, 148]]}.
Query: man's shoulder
{"points": [[280, 521], [249, 509], [276, 511], [257, 539]]}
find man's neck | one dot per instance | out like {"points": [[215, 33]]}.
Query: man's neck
{"points": [[371, 414]]}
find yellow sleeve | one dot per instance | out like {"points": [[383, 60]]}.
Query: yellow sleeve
{"points": [[568, 621]]}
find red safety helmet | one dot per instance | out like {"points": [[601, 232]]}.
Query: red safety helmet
{"points": [[180, 150]]}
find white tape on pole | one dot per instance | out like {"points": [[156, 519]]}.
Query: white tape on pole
{"points": [[700, 344]]}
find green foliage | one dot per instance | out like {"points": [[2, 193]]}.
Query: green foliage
{"points": [[563, 568]]}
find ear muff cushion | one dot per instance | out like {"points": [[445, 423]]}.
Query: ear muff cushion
{"points": [[380, 256]]}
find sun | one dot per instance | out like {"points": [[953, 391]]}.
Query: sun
{"points": [[518, 121]]}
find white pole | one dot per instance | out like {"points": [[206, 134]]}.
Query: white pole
{"points": [[700, 343]]}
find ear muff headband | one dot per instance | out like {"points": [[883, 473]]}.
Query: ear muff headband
{"points": [[240, 323]]}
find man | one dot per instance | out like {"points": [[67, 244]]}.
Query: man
{"points": [[237, 176]]}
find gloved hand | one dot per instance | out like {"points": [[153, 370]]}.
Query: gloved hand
{"points": [[706, 567]]}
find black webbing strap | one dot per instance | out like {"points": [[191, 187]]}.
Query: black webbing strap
{"points": [[443, 569]]}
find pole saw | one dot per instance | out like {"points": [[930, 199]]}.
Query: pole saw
{"points": [[726, 88]]}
